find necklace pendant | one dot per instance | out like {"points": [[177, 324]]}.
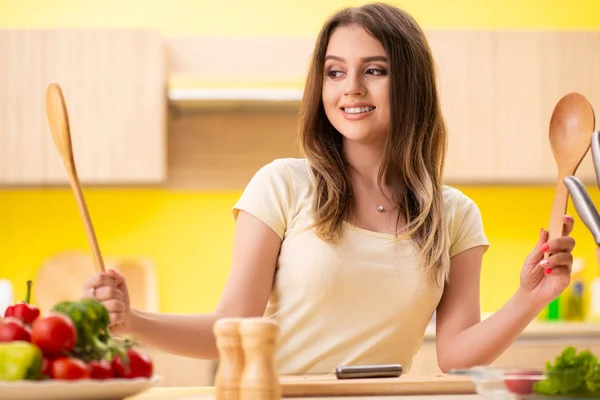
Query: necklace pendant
{"points": [[380, 208]]}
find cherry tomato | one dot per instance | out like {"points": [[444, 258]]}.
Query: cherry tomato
{"points": [[101, 370], [54, 334], [68, 368], [139, 366], [13, 329]]}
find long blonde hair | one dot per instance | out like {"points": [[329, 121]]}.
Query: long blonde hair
{"points": [[415, 149]]}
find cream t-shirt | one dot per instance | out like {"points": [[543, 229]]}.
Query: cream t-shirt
{"points": [[364, 300]]}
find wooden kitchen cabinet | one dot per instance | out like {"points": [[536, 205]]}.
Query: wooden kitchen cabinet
{"points": [[114, 87], [497, 90]]}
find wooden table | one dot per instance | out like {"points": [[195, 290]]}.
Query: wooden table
{"points": [[207, 393]]}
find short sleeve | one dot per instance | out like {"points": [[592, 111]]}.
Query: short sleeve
{"points": [[467, 228], [268, 197]]}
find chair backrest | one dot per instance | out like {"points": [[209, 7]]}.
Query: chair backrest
{"points": [[62, 276]]}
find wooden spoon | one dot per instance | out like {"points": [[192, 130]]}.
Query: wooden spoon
{"points": [[58, 119], [571, 128]]}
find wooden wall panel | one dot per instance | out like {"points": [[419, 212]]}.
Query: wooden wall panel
{"points": [[221, 150]]}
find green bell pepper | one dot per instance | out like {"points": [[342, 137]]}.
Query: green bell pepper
{"points": [[20, 360]]}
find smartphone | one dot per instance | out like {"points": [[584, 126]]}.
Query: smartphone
{"points": [[369, 371]]}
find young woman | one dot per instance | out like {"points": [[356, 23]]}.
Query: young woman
{"points": [[352, 249]]}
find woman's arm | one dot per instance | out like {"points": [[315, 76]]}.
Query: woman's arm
{"points": [[255, 252], [462, 339]]}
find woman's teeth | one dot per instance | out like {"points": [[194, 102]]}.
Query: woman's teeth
{"points": [[358, 110]]}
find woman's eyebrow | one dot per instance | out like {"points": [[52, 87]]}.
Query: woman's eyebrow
{"points": [[364, 59]]}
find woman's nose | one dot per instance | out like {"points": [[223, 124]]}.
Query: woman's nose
{"points": [[354, 85]]}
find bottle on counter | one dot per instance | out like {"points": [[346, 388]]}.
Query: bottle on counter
{"points": [[575, 309], [573, 306], [594, 296]]}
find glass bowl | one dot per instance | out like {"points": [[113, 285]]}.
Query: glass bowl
{"points": [[501, 383]]}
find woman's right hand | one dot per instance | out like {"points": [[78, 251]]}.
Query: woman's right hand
{"points": [[110, 289]]}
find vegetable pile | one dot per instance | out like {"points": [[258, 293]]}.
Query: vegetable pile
{"points": [[572, 374], [70, 342]]}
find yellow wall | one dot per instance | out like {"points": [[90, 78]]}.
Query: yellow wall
{"points": [[288, 17], [189, 234]]}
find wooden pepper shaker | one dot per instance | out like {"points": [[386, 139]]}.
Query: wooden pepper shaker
{"points": [[231, 359], [260, 380]]}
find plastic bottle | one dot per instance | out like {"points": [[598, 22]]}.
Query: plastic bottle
{"points": [[573, 299], [575, 309]]}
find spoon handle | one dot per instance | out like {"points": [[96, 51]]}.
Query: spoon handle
{"points": [[87, 223], [559, 208]]}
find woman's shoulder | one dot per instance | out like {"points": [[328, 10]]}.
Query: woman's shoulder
{"points": [[464, 221], [455, 198], [295, 171], [289, 164]]}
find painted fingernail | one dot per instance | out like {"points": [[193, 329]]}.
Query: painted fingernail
{"points": [[568, 218], [545, 248], [548, 271], [543, 263]]}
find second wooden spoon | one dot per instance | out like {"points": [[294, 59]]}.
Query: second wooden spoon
{"points": [[58, 119], [571, 128]]}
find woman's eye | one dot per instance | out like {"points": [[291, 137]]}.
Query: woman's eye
{"points": [[334, 74], [376, 71]]}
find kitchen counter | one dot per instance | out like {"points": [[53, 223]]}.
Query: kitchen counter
{"points": [[207, 393], [548, 330], [540, 342]]}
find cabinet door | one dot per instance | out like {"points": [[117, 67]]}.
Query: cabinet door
{"points": [[498, 90], [22, 148], [114, 87]]}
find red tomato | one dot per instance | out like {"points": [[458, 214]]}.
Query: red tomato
{"points": [[54, 334], [139, 366], [518, 383], [13, 329], [68, 368], [101, 370], [46, 368]]}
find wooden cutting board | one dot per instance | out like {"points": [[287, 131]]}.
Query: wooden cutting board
{"points": [[329, 385]]}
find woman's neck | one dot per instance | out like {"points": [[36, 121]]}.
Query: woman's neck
{"points": [[364, 160]]}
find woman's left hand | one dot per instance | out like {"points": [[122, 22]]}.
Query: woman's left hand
{"points": [[544, 279]]}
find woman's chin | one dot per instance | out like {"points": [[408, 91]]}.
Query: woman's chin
{"points": [[365, 137]]}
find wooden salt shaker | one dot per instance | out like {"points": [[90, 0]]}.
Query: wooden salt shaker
{"points": [[231, 359], [260, 380]]}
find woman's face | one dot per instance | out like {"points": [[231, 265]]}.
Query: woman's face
{"points": [[356, 85]]}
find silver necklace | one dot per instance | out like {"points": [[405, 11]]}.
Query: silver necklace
{"points": [[380, 207]]}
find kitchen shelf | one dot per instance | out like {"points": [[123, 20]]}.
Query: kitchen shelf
{"points": [[227, 98]]}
